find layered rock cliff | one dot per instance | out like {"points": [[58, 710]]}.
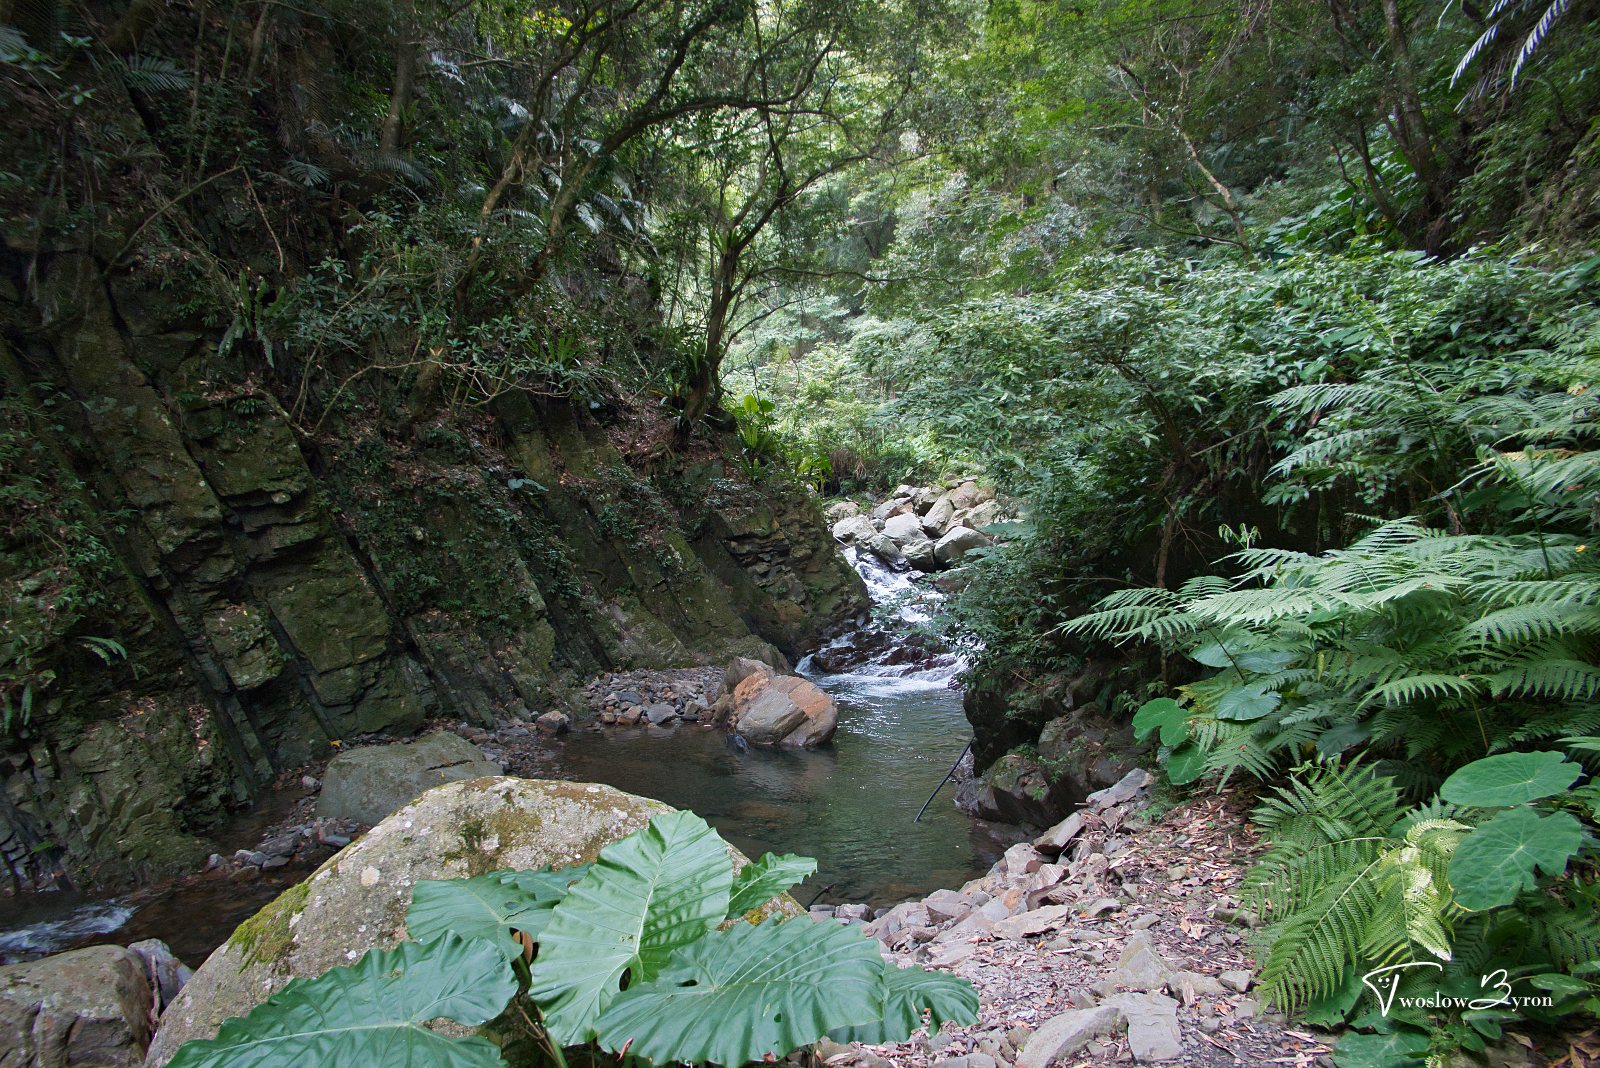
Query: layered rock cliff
{"points": [[277, 592]]}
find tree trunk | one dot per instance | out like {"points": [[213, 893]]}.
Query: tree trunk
{"points": [[405, 73]]}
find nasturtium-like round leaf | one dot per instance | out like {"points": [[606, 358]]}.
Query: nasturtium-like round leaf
{"points": [[645, 896], [372, 1012], [763, 879], [1247, 703], [737, 995], [1501, 858], [1510, 779], [1185, 764], [489, 906], [1164, 714]]}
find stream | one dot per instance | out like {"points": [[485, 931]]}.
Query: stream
{"points": [[851, 805]]}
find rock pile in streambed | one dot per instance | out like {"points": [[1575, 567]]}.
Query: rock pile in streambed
{"points": [[926, 527]]}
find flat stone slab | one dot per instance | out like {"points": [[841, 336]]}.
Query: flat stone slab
{"points": [[1067, 1033], [1152, 1020], [369, 783]]}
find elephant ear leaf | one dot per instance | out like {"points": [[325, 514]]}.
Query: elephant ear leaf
{"points": [[646, 895], [372, 1012], [1499, 859], [762, 880], [737, 995], [489, 906], [1510, 779], [907, 994]]}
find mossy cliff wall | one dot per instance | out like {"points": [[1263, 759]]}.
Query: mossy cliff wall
{"points": [[277, 589]]}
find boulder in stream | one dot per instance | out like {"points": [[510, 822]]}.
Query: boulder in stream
{"points": [[783, 710], [367, 784], [86, 1007], [903, 528], [958, 543], [358, 898]]}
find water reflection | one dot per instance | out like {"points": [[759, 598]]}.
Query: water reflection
{"points": [[851, 805]]}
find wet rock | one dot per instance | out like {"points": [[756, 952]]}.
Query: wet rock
{"points": [[661, 713], [1015, 789], [1067, 1033], [368, 784], [358, 899], [886, 549], [919, 554], [86, 1007]]}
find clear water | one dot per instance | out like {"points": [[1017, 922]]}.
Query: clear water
{"points": [[852, 805]]}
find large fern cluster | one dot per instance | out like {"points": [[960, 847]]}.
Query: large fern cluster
{"points": [[1356, 879], [1352, 875], [1430, 644]]}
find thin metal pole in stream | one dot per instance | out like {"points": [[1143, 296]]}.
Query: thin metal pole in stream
{"points": [[942, 781]]}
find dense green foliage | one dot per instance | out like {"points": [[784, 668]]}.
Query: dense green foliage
{"points": [[645, 954], [1277, 319]]}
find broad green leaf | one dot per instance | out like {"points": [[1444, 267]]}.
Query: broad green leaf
{"points": [[1510, 779], [489, 906], [737, 995], [1248, 702], [1263, 661], [1499, 859], [907, 994], [650, 893], [761, 880], [1402, 1049], [372, 1012], [1163, 713], [1185, 764]]}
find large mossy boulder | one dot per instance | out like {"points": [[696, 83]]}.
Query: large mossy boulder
{"points": [[86, 1007], [367, 784], [358, 899]]}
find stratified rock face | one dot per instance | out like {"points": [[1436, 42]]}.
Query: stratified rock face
{"points": [[358, 899], [783, 710], [279, 591], [367, 784], [87, 1007]]}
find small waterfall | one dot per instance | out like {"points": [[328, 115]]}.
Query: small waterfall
{"points": [[893, 646]]}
